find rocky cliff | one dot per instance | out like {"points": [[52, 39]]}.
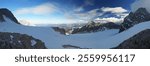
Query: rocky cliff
{"points": [[138, 41], [19, 41]]}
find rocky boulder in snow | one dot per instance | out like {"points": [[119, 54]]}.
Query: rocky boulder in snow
{"points": [[19, 41], [73, 47], [70, 47], [141, 15], [139, 41], [7, 13]]}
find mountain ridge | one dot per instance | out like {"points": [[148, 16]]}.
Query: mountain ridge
{"points": [[141, 15], [7, 13]]}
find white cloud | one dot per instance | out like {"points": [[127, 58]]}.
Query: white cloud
{"points": [[85, 17], [79, 9], [45, 8], [122, 15], [110, 19], [141, 3], [72, 16], [92, 14], [114, 9], [118, 11]]}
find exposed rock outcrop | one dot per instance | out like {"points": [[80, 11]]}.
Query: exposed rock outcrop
{"points": [[73, 47], [70, 47], [139, 41], [19, 41], [60, 30]]}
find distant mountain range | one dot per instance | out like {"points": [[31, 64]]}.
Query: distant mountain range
{"points": [[87, 28]]}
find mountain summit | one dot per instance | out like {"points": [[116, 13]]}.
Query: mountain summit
{"points": [[8, 14], [141, 15]]}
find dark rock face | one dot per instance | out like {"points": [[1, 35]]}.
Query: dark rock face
{"points": [[71, 47], [16, 40], [95, 27], [8, 14], [141, 15], [60, 30], [19, 41], [139, 41]]}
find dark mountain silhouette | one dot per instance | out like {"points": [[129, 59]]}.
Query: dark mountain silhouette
{"points": [[141, 15], [8, 14]]}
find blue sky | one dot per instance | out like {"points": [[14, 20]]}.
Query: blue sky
{"points": [[67, 11]]}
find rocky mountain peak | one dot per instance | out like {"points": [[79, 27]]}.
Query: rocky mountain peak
{"points": [[7, 13], [141, 15], [141, 10]]}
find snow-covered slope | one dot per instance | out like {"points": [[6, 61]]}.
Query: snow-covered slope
{"points": [[52, 39], [90, 40], [46, 34], [119, 38]]}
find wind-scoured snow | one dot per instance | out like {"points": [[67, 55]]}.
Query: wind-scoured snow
{"points": [[33, 42], [52, 39], [11, 37]]}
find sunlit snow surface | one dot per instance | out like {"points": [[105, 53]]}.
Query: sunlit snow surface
{"points": [[54, 40]]}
